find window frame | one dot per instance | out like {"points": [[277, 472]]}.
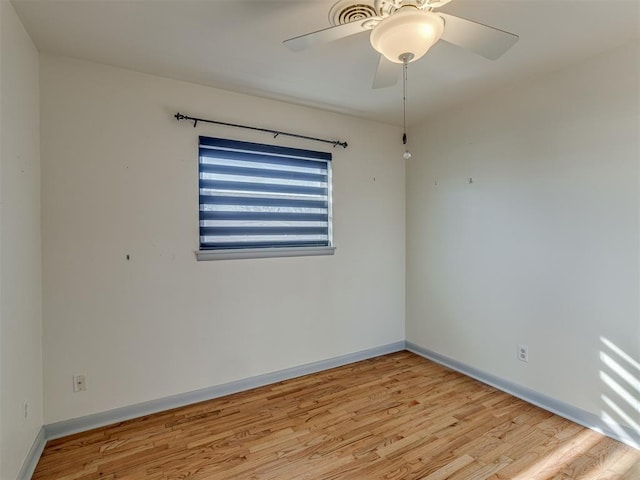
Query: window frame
{"points": [[235, 252]]}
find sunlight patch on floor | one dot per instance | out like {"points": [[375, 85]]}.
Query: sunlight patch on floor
{"points": [[550, 465]]}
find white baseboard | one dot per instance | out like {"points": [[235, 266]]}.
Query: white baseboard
{"points": [[29, 465], [575, 414], [88, 422]]}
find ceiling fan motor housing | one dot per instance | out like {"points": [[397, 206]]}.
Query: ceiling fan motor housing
{"points": [[387, 7], [408, 31]]}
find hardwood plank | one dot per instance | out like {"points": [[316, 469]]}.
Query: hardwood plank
{"points": [[397, 416]]}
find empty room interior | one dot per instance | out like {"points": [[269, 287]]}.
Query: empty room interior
{"points": [[368, 239]]}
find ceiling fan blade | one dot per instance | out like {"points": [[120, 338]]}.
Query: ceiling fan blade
{"points": [[326, 35], [386, 74], [487, 41]]}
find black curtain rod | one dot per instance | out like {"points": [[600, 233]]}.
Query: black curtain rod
{"points": [[275, 133]]}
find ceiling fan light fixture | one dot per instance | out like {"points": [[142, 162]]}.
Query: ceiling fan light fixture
{"points": [[408, 31]]}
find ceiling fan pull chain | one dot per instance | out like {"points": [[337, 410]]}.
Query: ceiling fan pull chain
{"points": [[405, 63], [404, 100]]}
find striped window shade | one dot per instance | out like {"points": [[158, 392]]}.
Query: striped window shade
{"points": [[263, 196]]}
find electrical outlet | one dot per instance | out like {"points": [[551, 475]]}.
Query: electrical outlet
{"points": [[523, 353], [79, 383]]}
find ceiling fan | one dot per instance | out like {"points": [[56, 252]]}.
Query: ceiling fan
{"points": [[402, 31]]}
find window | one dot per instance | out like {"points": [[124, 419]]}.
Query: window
{"points": [[261, 200]]}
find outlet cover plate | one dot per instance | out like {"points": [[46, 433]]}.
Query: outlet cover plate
{"points": [[523, 353], [79, 383]]}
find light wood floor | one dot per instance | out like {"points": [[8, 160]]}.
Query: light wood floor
{"points": [[393, 417]]}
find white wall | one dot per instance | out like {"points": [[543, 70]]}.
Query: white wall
{"points": [[120, 178], [543, 247], [20, 270]]}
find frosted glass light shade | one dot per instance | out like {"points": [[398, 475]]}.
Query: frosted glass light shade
{"points": [[409, 30]]}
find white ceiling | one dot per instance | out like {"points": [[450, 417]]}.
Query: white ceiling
{"points": [[237, 45]]}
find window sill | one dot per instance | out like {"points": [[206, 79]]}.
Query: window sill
{"points": [[206, 255]]}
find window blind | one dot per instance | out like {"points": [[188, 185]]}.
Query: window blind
{"points": [[260, 196]]}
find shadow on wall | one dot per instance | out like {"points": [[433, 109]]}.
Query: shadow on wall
{"points": [[620, 373]]}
